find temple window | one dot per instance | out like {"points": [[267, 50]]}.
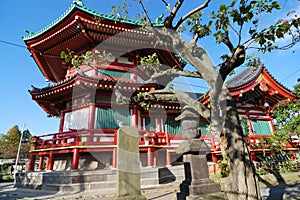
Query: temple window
{"points": [[204, 127], [112, 118], [76, 119], [173, 127], [114, 73], [149, 124], [261, 127]]}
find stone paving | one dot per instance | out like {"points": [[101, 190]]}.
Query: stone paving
{"points": [[285, 186]]}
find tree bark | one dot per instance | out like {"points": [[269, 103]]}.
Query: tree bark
{"points": [[242, 182]]}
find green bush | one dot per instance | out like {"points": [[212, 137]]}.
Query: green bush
{"points": [[223, 166], [261, 172], [7, 178]]}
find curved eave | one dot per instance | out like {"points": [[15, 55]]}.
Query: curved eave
{"points": [[262, 86], [86, 10], [51, 97], [78, 30], [266, 83]]}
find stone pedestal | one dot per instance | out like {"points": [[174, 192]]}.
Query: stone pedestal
{"points": [[197, 183], [128, 165]]}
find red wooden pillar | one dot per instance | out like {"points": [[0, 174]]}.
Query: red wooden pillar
{"points": [[75, 159], [41, 161], [214, 158], [272, 126], [149, 156], [134, 74], [61, 123], [250, 123], [92, 116], [155, 158], [31, 162], [50, 161], [168, 159], [135, 117], [114, 158], [252, 156], [158, 124]]}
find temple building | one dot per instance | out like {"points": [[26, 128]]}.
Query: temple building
{"points": [[90, 116]]}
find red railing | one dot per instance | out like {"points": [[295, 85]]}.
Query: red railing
{"points": [[212, 142], [86, 137]]}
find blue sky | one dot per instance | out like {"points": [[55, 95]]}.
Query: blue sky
{"points": [[19, 71]]}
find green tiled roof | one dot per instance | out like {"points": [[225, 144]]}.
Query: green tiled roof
{"points": [[77, 4]]}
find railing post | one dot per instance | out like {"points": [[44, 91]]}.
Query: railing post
{"points": [[168, 157], [114, 158], [91, 122], [54, 139], [115, 137], [155, 158]]}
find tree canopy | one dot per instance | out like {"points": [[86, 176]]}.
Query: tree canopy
{"points": [[9, 143], [287, 115]]}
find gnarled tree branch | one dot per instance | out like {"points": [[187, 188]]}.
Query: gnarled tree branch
{"points": [[187, 15]]}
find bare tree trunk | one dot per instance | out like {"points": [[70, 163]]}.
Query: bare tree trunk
{"points": [[242, 182]]}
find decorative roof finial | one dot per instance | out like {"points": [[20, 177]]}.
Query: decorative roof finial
{"points": [[78, 2], [29, 32]]}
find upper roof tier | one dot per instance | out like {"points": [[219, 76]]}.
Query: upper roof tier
{"points": [[256, 85], [81, 29]]}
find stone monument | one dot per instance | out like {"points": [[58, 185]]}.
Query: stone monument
{"points": [[128, 165], [194, 149]]}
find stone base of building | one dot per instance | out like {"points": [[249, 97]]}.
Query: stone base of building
{"points": [[82, 180]]}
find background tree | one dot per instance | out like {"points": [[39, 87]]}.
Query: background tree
{"points": [[9, 143], [287, 121], [287, 115]]}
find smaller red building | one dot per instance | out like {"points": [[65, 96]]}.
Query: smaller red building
{"points": [[256, 92]]}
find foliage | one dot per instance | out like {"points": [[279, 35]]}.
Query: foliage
{"points": [[151, 62], [276, 142], [6, 178], [245, 125], [71, 59], [278, 167], [261, 172], [9, 143], [287, 115], [223, 166]]}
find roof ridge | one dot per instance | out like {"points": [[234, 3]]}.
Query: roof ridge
{"points": [[77, 4], [245, 76], [278, 82]]}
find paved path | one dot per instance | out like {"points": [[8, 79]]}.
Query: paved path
{"points": [[270, 190]]}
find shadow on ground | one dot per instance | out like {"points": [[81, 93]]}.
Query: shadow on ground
{"points": [[277, 188]]}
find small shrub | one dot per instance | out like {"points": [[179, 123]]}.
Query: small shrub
{"points": [[261, 172], [8, 178], [223, 166]]}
